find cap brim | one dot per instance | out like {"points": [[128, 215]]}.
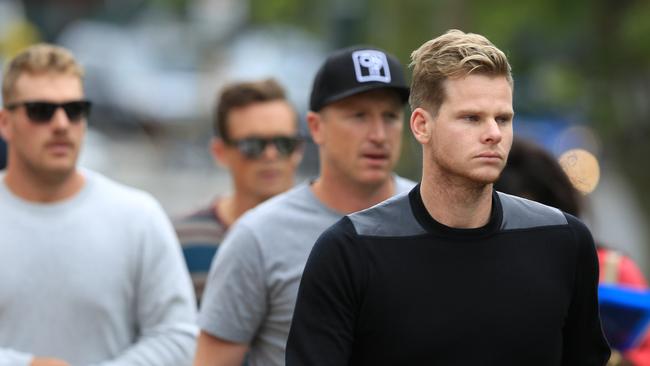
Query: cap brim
{"points": [[402, 91]]}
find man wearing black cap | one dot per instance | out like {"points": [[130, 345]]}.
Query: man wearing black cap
{"points": [[356, 119]]}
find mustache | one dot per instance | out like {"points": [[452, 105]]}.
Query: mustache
{"points": [[59, 141]]}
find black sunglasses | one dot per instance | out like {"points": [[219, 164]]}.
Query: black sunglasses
{"points": [[253, 147], [41, 112]]}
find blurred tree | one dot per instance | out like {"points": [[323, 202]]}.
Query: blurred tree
{"points": [[17, 35], [51, 16], [588, 58]]}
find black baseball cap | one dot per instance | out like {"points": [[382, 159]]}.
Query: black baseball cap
{"points": [[355, 70]]}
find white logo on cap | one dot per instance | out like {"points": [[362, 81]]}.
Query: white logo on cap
{"points": [[371, 65]]}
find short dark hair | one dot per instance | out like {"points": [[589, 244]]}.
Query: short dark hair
{"points": [[534, 173], [242, 94]]}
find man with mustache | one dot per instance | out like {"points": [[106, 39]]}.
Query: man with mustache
{"points": [[356, 120], [453, 272], [92, 271]]}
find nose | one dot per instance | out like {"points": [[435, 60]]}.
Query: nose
{"points": [[270, 152], [60, 119], [493, 133], [377, 131]]}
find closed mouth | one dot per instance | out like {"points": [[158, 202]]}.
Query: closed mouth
{"points": [[490, 156], [59, 144], [375, 156]]}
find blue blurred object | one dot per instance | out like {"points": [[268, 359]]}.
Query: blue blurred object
{"points": [[625, 315], [199, 257], [3, 154], [544, 130]]}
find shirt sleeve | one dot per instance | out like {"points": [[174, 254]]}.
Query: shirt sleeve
{"points": [[12, 357], [329, 299], [631, 275], [584, 343], [165, 304], [234, 303]]}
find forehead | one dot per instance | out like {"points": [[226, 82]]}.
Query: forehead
{"points": [[262, 119], [47, 86], [478, 91]]}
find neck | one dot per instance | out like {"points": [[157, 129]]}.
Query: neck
{"points": [[43, 188], [456, 204], [232, 207], [346, 196]]}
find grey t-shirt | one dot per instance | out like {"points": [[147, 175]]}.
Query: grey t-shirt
{"points": [[96, 279], [253, 281]]}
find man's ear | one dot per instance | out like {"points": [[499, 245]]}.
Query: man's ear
{"points": [[315, 125], [219, 152], [421, 123]]}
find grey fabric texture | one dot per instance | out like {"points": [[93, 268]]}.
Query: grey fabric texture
{"points": [[521, 213], [97, 279], [396, 219], [253, 282]]}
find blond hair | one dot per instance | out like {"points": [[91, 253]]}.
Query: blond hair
{"points": [[454, 54], [39, 59]]}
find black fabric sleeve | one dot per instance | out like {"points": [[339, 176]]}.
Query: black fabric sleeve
{"points": [[322, 330], [584, 343]]}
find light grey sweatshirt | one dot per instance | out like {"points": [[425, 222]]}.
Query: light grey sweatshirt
{"points": [[97, 279]]}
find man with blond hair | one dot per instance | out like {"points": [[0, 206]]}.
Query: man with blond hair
{"points": [[92, 273], [453, 272]]}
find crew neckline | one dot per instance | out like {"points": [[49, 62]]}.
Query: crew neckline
{"points": [[432, 226], [48, 207]]}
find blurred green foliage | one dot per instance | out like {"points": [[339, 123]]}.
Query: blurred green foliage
{"points": [[581, 57], [587, 58]]}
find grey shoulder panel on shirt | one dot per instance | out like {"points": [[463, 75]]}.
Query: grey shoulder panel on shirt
{"points": [[392, 217], [520, 213]]}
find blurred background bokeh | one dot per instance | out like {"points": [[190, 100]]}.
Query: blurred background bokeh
{"points": [[581, 69]]}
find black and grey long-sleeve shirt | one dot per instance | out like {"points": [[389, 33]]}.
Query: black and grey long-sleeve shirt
{"points": [[391, 286]]}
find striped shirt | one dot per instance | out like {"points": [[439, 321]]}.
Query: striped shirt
{"points": [[200, 234]]}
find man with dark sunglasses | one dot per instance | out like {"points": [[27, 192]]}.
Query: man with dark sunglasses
{"points": [[41, 112], [256, 140], [91, 272], [356, 119]]}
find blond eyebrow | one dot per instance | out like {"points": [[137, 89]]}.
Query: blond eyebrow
{"points": [[509, 114]]}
